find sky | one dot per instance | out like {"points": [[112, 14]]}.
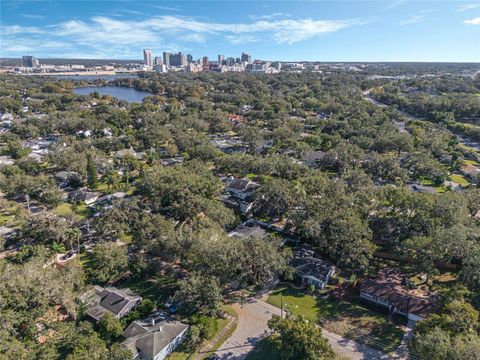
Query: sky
{"points": [[381, 30]]}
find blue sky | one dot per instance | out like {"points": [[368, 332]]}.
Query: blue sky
{"points": [[382, 30]]}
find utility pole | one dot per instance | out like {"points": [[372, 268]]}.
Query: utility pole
{"points": [[27, 197], [281, 307]]}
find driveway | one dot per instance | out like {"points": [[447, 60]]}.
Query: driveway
{"points": [[252, 327]]}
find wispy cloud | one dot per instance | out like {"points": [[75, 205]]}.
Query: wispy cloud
{"points": [[394, 4], [413, 20], [474, 21], [167, 8], [241, 39], [269, 16], [116, 37], [33, 16], [466, 7]]}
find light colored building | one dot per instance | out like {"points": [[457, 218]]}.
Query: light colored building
{"points": [[147, 57], [161, 68], [192, 68]]}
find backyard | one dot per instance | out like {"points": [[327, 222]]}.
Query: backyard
{"points": [[346, 318]]}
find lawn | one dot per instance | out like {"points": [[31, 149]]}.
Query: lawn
{"points": [[81, 211], [471, 162], [459, 179], [181, 352], [349, 319], [157, 288]]}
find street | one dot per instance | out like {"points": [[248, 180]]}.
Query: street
{"points": [[252, 327]]}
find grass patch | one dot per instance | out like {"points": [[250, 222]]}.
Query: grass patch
{"points": [[221, 323], [349, 319], [63, 209], [5, 219], [471, 162], [157, 288], [459, 179], [125, 238], [81, 211]]}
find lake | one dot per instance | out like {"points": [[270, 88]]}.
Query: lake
{"points": [[122, 93]]}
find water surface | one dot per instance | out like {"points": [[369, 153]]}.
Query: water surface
{"points": [[122, 93]]}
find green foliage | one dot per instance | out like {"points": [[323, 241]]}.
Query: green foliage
{"points": [[107, 261], [199, 295], [296, 338], [109, 328], [91, 173]]}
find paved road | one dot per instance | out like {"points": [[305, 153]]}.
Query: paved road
{"points": [[252, 327]]}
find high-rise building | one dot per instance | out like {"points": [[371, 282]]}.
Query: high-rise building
{"points": [[189, 58], [205, 64], [147, 57], [230, 61], [157, 61], [166, 58], [30, 61], [221, 58], [246, 57], [178, 59]]}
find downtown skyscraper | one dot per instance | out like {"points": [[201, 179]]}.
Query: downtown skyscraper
{"points": [[147, 57]]}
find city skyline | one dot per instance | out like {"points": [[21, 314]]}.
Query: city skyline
{"points": [[315, 31]]}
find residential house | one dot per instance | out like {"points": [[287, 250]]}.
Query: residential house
{"points": [[242, 188], [313, 158], [67, 178], [108, 199], [153, 338], [120, 154], [246, 230], [229, 146], [118, 302], [82, 195], [312, 269], [388, 290], [6, 160]]}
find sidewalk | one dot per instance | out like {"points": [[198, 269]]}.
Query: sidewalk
{"points": [[208, 347]]}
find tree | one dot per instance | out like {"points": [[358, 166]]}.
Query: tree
{"points": [[119, 352], [275, 198], [109, 328], [296, 338], [107, 261], [91, 173], [199, 295]]}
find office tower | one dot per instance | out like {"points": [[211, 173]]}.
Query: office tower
{"points": [[238, 60], [30, 61], [246, 57], [157, 61], [205, 64], [147, 57], [230, 61], [166, 58], [221, 58], [178, 59], [189, 58]]}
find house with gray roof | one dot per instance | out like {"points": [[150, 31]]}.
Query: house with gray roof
{"points": [[118, 302], [154, 338], [312, 269]]}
